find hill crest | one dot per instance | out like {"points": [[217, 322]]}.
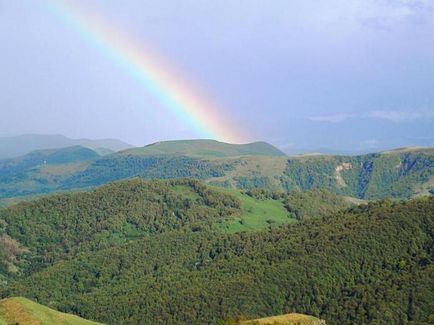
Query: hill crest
{"points": [[205, 148]]}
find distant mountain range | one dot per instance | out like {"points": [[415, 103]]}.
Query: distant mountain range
{"points": [[15, 146], [402, 173]]}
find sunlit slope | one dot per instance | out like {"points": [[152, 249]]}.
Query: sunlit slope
{"points": [[206, 148], [256, 214], [288, 319], [26, 312]]}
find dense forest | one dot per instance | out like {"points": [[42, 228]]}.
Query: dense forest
{"points": [[154, 252], [400, 174], [374, 176]]}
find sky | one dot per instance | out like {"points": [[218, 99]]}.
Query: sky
{"points": [[306, 75]]}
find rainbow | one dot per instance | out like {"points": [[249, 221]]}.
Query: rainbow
{"points": [[200, 114]]}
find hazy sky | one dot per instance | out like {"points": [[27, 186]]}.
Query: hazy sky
{"points": [[340, 74]]}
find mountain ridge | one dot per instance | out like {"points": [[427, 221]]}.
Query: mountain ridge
{"points": [[402, 173], [14, 146], [205, 148]]}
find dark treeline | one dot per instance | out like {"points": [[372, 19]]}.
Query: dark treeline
{"points": [[117, 167], [366, 264]]}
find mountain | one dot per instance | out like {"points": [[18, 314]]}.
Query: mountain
{"points": [[20, 310], [41, 171], [158, 252], [402, 173], [398, 174], [15, 146], [205, 148], [49, 156]]}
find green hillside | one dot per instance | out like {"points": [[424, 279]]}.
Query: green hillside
{"points": [[288, 319], [156, 252], [26, 312], [396, 174], [257, 214], [50, 157], [42, 171], [205, 148], [399, 174], [51, 228], [63, 225], [262, 209]]}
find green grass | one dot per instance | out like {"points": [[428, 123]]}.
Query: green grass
{"points": [[288, 319], [185, 191], [23, 311], [256, 214], [206, 149]]}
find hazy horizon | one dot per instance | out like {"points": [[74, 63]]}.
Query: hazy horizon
{"points": [[339, 76]]}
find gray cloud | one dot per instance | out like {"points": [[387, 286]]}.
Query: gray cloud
{"points": [[333, 118], [401, 116], [393, 115]]}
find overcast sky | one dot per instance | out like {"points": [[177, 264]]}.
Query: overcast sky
{"points": [[302, 74]]}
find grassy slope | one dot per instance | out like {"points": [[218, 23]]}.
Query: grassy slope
{"points": [[256, 214], [399, 174], [26, 312], [288, 319], [206, 148]]}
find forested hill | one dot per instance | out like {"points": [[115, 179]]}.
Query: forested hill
{"points": [[42, 171], [51, 157], [158, 252], [51, 228], [398, 174]]}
